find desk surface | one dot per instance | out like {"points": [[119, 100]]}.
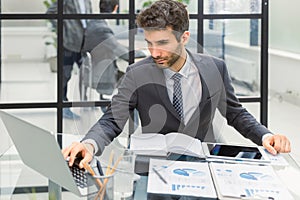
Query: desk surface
{"points": [[17, 181]]}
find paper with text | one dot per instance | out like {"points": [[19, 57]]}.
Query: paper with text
{"points": [[248, 181], [182, 178]]}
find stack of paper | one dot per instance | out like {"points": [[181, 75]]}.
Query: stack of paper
{"points": [[180, 178]]}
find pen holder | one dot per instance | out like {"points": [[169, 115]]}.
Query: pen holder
{"points": [[124, 176], [105, 185]]}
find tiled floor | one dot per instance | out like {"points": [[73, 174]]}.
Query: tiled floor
{"points": [[34, 82]]}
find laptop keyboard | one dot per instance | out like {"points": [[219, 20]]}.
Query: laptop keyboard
{"points": [[79, 176]]}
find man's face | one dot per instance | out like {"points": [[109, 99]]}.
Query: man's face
{"points": [[165, 50]]}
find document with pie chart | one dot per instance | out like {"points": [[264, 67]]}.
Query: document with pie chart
{"points": [[180, 178], [247, 181]]}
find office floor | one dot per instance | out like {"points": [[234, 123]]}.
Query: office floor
{"points": [[34, 82]]}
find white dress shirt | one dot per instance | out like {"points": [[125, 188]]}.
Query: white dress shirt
{"points": [[190, 86]]}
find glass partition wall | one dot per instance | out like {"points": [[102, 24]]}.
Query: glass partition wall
{"points": [[31, 68]]}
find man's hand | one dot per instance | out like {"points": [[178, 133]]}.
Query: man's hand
{"points": [[277, 144], [76, 148]]}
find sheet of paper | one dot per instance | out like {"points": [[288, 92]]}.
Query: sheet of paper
{"points": [[277, 159], [239, 180], [182, 178]]}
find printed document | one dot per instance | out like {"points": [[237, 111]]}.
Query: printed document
{"points": [[277, 159], [247, 181], [180, 178]]}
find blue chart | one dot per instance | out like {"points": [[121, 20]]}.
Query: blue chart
{"points": [[176, 187], [262, 192], [255, 176], [188, 172]]}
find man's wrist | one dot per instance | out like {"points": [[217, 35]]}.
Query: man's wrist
{"points": [[89, 146], [265, 136]]}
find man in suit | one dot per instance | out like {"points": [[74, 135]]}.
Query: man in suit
{"points": [[174, 90], [73, 38]]}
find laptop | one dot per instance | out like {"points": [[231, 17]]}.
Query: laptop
{"points": [[40, 151]]}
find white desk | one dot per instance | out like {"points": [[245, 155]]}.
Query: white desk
{"points": [[18, 181]]}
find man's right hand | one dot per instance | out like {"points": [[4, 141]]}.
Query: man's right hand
{"points": [[76, 148]]}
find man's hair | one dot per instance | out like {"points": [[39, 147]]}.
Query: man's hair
{"points": [[107, 6], [165, 13]]}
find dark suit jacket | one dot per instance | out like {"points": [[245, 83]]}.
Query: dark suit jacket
{"points": [[73, 31], [143, 88]]}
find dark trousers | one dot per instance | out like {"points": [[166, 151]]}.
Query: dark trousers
{"points": [[70, 58]]}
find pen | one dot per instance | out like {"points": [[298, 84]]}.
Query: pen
{"points": [[99, 168], [159, 175], [91, 171]]}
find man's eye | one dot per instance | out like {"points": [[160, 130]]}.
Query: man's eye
{"points": [[163, 42]]}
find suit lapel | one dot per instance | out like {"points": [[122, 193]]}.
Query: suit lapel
{"points": [[159, 81], [160, 85], [205, 92]]}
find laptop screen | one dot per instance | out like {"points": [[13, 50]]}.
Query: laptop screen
{"points": [[39, 150]]}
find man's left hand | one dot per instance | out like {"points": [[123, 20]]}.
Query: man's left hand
{"points": [[277, 144]]}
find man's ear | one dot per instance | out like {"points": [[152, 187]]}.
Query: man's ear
{"points": [[185, 37]]}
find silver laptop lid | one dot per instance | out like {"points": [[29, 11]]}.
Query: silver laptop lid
{"points": [[39, 150]]}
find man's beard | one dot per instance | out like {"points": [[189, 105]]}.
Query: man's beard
{"points": [[171, 59]]}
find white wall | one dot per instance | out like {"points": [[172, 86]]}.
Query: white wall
{"points": [[22, 6], [284, 25], [24, 43], [284, 70], [284, 42]]}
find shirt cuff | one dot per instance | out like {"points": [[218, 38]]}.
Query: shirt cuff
{"points": [[265, 135], [92, 142]]}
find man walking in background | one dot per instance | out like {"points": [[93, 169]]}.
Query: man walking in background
{"points": [[101, 43], [73, 39]]}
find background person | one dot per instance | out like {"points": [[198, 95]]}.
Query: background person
{"points": [[73, 38], [148, 86], [101, 42]]}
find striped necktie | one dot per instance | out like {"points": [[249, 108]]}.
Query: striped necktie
{"points": [[177, 95]]}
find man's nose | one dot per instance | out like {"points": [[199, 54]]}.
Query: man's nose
{"points": [[155, 52]]}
